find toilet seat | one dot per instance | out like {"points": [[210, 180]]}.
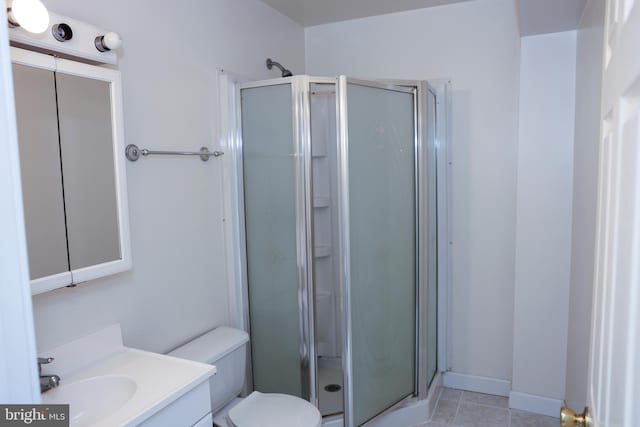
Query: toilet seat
{"points": [[274, 410]]}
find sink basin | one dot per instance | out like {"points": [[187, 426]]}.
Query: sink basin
{"points": [[92, 399], [107, 384]]}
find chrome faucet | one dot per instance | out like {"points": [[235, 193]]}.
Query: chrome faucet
{"points": [[47, 382]]}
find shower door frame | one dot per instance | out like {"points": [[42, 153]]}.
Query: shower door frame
{"points": [[301, 112], [231, 129], [419, 89]]}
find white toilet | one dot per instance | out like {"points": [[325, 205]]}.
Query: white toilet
{"points": [[226, 349]]}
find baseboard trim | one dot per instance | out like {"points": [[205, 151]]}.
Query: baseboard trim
{"points": [[478, 384], [536, 404]]}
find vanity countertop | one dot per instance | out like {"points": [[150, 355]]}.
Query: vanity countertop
{"points": [[115, 385]]}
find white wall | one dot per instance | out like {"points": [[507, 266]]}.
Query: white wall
{"points": [[585, 179], [476, 44], [177, 288], [543, 243]]}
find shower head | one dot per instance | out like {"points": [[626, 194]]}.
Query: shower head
{"points": [[271, 64]]}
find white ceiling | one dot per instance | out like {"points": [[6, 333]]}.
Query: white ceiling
{"points": [[536, 16], [549, 16], [315, 12]]}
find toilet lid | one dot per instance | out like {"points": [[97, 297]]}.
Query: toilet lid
{"points": [[274, 410]]}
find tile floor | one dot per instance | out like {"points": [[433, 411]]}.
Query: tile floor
{"points": [[468, 409]]}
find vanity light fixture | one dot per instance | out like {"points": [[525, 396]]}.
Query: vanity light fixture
{"points": [[31, 15], [62, 32], [107, 42]]}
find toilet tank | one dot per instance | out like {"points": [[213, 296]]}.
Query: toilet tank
{"points": [[225, 348]]}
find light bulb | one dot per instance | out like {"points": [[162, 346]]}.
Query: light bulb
{"points": [[31, 15], [110, 41]]}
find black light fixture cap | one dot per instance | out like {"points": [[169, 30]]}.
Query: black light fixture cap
{"points": [[62, 32]]}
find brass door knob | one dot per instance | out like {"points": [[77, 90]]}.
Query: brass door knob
{"points": [[569, 418]]}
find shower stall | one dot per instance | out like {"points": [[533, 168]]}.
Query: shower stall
{"points": [[337, 181]]}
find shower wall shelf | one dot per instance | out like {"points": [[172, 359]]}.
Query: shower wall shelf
{"points": [[321, 202], [318, 151], [133, 153], [323, 294], [322, 251]]}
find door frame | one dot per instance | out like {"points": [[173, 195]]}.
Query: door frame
{"points": [[617, 269], [17, 337]]}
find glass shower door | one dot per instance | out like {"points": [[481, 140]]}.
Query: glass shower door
{"points": [[270, 173], [377, 158]]}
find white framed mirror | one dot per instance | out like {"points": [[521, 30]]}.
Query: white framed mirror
{"points": [[71, 140]]}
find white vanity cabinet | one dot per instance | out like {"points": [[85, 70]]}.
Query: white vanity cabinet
{"points": [[192, 409]]}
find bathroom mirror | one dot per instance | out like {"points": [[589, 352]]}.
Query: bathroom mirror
{"points": [[70, 135]]}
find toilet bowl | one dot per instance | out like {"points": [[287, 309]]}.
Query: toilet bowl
{"points": [[226, 348]]}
